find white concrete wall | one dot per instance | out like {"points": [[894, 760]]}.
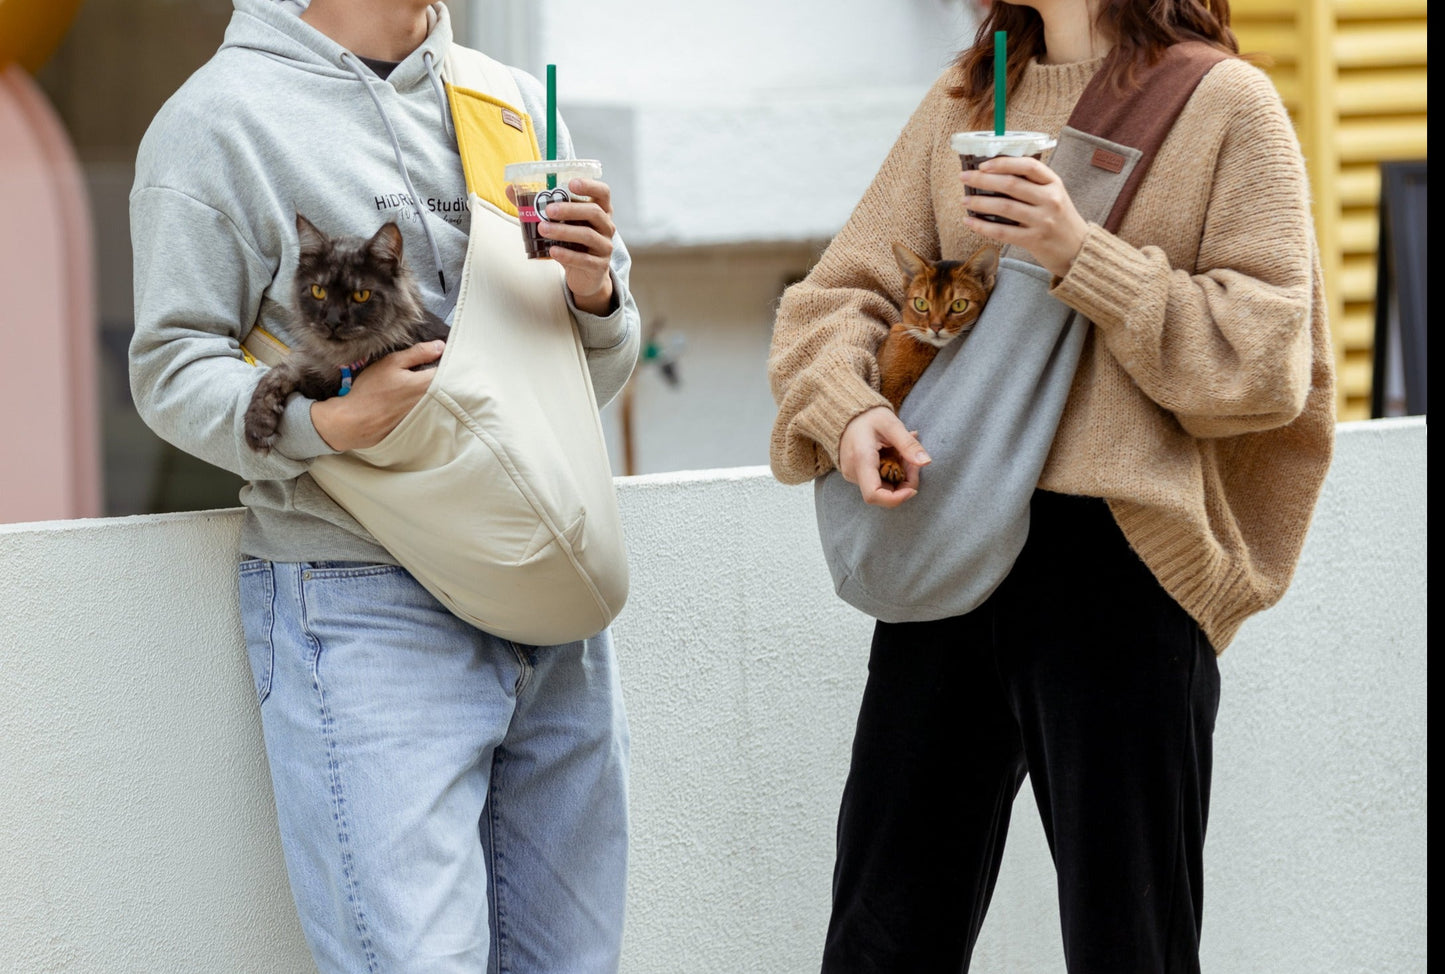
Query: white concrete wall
{"points": [[137, 835]]}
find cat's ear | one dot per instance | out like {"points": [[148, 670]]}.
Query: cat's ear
{"points": [[311, 239], [908, 262], [984, 265], [384, 247]]}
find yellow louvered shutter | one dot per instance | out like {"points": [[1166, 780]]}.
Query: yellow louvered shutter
{"points": [[1353, 75]]}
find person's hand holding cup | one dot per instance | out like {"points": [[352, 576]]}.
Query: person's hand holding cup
{"points": [[976, 148], [1018, 199], [568, 219]]}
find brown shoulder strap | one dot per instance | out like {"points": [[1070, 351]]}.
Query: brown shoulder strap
{"points": [[1141, 118]]}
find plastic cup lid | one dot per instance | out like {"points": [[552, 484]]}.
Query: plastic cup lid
{"points": [[532, 172], [985, 143]]}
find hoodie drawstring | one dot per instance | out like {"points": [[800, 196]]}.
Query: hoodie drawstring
{"points": [[436, 86], [356, 67]]}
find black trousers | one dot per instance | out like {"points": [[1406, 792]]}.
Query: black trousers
{"points": [[1080, 673]]}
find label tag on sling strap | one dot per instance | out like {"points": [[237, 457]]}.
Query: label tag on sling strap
{"points": [[1108, 161]]}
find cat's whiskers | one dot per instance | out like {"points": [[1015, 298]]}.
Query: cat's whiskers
{"points": [[936, 339]]}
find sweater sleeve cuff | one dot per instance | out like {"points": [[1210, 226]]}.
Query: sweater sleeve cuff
{"points": [[297, 438], [1107, 276], [602, 331], [832, 409]]}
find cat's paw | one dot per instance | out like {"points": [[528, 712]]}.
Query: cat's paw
{"points": [[891, 470], [263, 421]]}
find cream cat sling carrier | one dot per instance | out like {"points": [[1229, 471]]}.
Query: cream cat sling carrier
{"points": [[495, 491]]}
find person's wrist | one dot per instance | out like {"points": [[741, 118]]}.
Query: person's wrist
{"points": [[599, 302], [865, 416], [1069, 252], [328, 418], [863, 420]]}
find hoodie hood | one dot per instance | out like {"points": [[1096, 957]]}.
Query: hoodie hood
{"points": [[275, 28]]}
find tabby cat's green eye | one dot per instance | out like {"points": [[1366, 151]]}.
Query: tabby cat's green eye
{"points": [[960, 306], [920, 304], [318, 292], [361, 297]]}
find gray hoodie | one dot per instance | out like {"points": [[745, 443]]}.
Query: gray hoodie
{"points": [[284, 120]]}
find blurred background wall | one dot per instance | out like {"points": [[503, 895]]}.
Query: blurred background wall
{"points": [[737, 135], [49, 435], [1353, 75]]}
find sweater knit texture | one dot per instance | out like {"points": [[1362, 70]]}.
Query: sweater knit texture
{"points": [[1203, 407]]}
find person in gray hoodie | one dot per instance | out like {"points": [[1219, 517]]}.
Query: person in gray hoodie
{"points": [[448, 800]]}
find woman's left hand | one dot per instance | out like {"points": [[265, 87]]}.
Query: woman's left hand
{"points": [[589, 272], [1049, 226]]}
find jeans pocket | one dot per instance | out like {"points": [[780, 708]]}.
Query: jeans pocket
{"points": [[314, 570], [258, 617]]}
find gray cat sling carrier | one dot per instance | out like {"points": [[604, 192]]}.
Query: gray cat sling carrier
{"points": [[989, 405]]}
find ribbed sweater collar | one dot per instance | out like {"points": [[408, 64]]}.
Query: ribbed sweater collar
{"points": [[1053, 89]]}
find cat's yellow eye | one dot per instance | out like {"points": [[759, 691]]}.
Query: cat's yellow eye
{"points": [[920, 304], [318, 292], [361, 297], [960, 306]]}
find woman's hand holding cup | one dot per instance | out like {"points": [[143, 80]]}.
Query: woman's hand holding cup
{"points": [[1047, 225]]}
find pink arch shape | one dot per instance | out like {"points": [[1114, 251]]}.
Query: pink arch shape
{"points": [[49, 424]]}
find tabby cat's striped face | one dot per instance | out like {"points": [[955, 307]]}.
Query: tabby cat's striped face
{"points": [[942, 299]]}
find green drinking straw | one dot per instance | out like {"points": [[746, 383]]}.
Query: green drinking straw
{"points": [[551, 122], [1000, 82]]}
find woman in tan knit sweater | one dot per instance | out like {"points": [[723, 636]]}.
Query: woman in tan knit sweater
{"points": [[1173, 504]]}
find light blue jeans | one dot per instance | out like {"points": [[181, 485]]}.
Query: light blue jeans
{"points": [[449, 801]]}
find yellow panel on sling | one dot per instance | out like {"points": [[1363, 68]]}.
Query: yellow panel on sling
{"points": [[490, 134]]}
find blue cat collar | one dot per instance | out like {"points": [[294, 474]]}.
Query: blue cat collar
{"points": [[349, 372]]}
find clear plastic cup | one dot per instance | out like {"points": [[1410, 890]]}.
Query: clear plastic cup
{"points": [[976, 147], [528, 181]]}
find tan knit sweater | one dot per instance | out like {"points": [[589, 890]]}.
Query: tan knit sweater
{"points": [[1203, 407]]}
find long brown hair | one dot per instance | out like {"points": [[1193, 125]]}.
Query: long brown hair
{"points": [[1141, 30]]}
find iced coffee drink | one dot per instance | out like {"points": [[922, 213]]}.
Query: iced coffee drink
{"points": [[533, 194], [976, 147]]}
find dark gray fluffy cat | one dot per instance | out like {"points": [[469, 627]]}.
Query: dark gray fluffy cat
{"points": [[355, 302]]}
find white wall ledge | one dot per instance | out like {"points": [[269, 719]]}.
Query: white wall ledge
{"points": [[137, 832]]}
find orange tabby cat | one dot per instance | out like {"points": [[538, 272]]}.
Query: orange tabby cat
{"points": [[941, 301]]}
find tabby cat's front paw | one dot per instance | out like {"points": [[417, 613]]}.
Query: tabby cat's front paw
{"points": [[890, 468], [263, 420]]}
